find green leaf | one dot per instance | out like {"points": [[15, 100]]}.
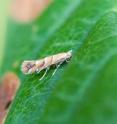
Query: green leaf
{"points": [[3, 18], [83, 90]]}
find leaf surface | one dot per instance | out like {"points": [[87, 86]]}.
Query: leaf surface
{"points": [[83, 90]]}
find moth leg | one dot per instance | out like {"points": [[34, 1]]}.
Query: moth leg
{"points": [[44, 73], [56, 68], [38, 71], [67, 60]]}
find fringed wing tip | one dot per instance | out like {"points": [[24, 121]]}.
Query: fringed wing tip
{"points": [[24, 68]]}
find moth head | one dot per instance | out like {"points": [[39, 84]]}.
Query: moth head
{"points": [[69, 53]]}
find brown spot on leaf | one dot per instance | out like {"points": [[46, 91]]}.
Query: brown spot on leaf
{"points": [[8, 87], [27, 10]]}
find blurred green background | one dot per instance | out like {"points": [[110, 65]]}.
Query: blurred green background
{"points": [[82, 91]]}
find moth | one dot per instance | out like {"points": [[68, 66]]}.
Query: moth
{"points": [[36, 66]]}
